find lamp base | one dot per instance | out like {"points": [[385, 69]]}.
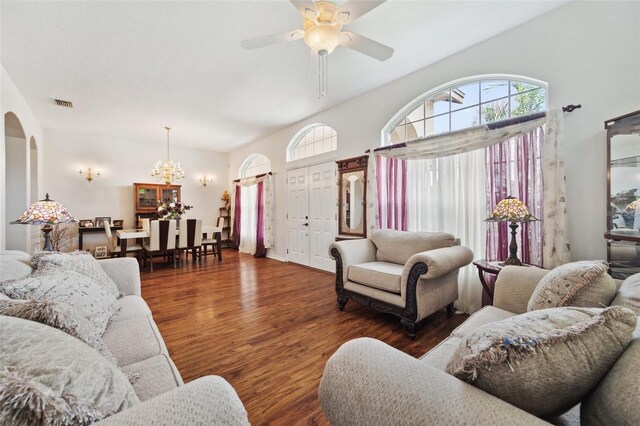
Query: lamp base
{"points": [[46, 230], [512, 262]]}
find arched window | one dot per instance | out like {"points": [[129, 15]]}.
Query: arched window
{"points": [[312, 140], [464, 104], [255, 164]]}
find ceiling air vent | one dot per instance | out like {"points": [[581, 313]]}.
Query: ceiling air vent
{"points": [[66, 104]]}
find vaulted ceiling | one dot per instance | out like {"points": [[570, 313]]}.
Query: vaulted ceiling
{"points": [[130, 68]]}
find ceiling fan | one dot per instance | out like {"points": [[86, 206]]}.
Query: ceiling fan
{"points": [[322, 23]]}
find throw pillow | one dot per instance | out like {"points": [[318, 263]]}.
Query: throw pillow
{"points": [[629, 294], [88, 298], [78, 261], [583, 284], [13, 269], [49, 377], [545, 361], [57, 315]]}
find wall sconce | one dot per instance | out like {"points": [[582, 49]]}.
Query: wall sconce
{"points": [[204, 181], [89, 174]]}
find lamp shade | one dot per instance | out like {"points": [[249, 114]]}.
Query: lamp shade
{"points": [[511, 210], [45, 212]]}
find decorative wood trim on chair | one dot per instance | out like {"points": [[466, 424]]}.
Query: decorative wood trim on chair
{"points": [[407, 315]]}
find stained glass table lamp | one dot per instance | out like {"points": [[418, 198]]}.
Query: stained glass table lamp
{"points": [[514, 211], [45, 212]]}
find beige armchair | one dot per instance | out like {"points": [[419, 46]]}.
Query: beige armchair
{"points": [[408, 274]]}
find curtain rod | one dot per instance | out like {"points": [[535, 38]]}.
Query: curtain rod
{"points": [[571, 107], [253, 177]]}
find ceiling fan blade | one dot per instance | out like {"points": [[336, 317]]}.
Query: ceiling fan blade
{"points": [[365, 45], [258, 42], [353, 9], [306, 8]]}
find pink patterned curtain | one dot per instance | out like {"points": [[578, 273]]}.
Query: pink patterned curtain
{"points": [[514, 167], [261, 251], [391, 185], [237, 217]]}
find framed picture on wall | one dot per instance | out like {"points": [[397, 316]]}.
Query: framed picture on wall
{"points": [[118, 222], [100, 220], [101, 252], [85, 223]]}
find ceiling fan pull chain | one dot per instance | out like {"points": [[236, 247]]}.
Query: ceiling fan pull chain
{"points": [[319, 76], [323, 73]]}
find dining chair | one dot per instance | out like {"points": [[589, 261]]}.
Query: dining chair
{"points": [[145, 224], [190, 239], [206, 241], [162, 240], [115, 248]]}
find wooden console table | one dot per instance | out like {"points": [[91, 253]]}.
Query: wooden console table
{"points": [[93, 230]]}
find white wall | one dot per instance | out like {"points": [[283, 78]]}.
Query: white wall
{"points": [[588, 53], [12, 100], [121, 163], [16, 187]]}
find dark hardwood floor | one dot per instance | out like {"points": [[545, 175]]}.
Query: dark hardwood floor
{"points": [[268, 328]]}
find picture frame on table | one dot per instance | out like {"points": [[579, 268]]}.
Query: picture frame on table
{"points": [[117, 222], [101, 252], [99, 222], [85, 223]]}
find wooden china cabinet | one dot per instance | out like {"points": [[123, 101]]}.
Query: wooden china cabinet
{"points": [[147, 196], [623, 195]]}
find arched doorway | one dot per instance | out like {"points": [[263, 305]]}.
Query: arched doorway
{"points": [[16, 182]]}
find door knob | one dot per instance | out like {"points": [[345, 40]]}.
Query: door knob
{"points": [[305, 224]]}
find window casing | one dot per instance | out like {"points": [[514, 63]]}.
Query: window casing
{"points": [[312, 140], [466, 104], [255, 164]]}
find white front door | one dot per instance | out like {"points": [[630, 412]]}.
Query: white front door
{"points": [[311, 215], [322, 214], [298, 216]]}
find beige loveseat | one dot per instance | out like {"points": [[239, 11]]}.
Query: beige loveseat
{"points": [[133, 338], [409, 274], [367, 382]]}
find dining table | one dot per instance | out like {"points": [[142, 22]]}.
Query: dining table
{"points": [[129, 234]]}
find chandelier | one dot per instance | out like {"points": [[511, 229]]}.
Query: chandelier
{"points": [[169, 171]]}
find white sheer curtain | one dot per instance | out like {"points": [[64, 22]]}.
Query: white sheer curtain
{"points": [[448, 195], [248, 219]]}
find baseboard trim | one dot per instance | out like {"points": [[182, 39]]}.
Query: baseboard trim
{"points": [[274, 257]]}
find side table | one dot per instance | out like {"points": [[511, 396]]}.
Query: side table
{"points": [[490, 267]]}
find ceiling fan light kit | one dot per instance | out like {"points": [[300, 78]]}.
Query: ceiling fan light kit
{"points": [[322, 23]]}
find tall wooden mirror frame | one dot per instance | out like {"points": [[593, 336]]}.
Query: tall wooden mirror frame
{"points": [[347, 168]]}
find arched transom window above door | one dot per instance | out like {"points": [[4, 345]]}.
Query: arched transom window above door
{"points": [[312, 140], [255, 164], [463, 104]]}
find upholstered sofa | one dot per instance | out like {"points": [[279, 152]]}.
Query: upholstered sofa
{"points": [[367, 382], [133, 338], [409, 274]]}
